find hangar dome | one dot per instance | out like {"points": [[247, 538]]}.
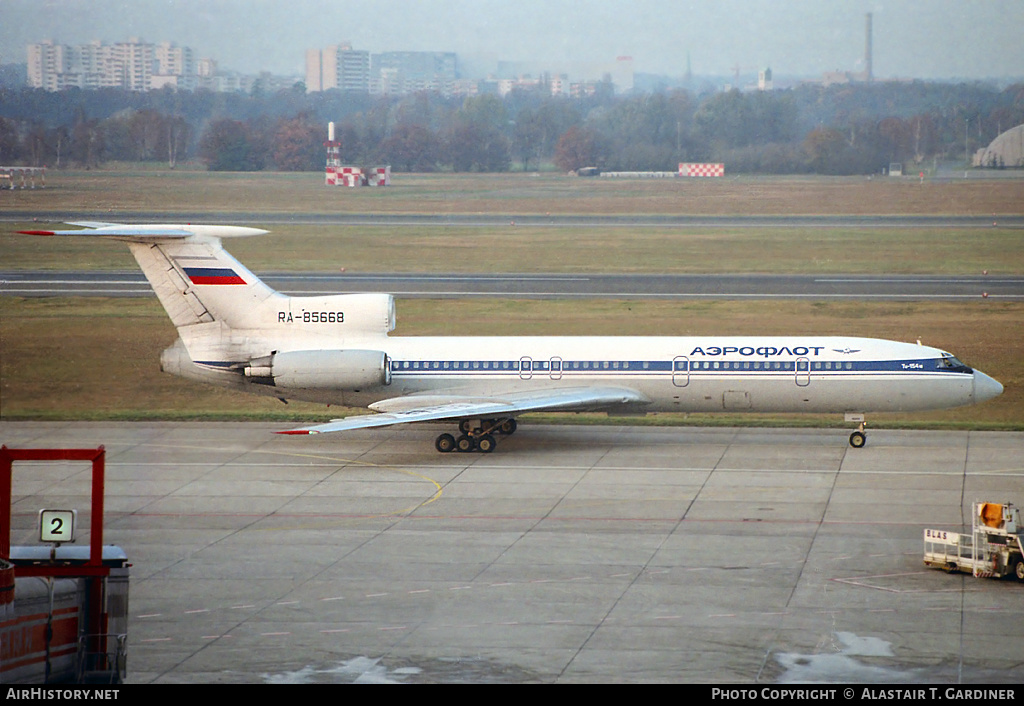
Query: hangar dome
{"points": [[1007, 150]]}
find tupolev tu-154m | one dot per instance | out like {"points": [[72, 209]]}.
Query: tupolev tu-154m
{"points": [[237, 332]]}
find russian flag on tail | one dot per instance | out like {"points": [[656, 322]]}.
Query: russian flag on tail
{"points": [[213, 275]]}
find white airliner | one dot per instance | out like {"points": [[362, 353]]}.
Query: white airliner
{"points": [[237, 332]]}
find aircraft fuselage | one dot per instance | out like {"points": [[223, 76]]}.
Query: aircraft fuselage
{"points": [[672, 374]]}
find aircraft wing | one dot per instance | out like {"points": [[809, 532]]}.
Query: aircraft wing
{"points": [[403, 410]]}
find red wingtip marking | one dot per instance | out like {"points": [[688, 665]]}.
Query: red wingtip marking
{"points": [[294, 431], [36, 232]]}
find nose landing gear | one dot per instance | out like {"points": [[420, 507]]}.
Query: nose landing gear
{"points": [[859, 437]]}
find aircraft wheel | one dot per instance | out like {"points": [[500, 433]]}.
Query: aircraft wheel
{"points": [[486, 443], [465, 426], [858, 439], [507, 427], [464, 443], [445, 443]]}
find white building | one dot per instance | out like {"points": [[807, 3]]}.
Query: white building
{"points": [[133, 65], [395, 73], [174, 66], [340, 67], [1007, 150], [48, 65]]}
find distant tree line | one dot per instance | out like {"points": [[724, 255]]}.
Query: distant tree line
{"points": [[850, 129]]}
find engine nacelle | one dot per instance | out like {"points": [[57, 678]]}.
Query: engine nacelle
{"points": [[322, 370]]}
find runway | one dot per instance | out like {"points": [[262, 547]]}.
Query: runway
{"points": [[556, 286], [571, 554]]}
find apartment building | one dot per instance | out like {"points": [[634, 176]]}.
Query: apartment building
{"points": [[400, 72], [133, 65], [347, 69], [340, 67]]}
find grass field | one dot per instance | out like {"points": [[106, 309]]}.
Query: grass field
{"points": [[193, 193], [571, 250], [72, 358]]}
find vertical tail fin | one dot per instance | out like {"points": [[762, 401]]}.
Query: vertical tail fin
{"points": [[224, 314], [196, 280]]}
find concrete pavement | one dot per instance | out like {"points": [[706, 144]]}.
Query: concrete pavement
{"points": [[571, 554]]}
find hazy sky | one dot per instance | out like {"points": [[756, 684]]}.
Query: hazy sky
{"points": [[929, 39]]}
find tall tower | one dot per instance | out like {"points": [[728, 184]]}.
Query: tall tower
{"points": [[333, 167], [867, 49]]}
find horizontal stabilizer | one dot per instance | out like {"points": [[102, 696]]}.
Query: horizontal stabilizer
{"points": [[118, 232], [148, 233]]}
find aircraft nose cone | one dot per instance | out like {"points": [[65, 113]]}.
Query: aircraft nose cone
{"points": [[985, 388]]}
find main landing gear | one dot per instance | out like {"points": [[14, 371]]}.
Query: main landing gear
{"points": [[476, 435]]}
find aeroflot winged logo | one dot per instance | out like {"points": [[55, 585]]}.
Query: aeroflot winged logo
{"points": [[213, 275]]}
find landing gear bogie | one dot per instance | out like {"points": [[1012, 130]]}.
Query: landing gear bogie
{"points": [[476, 435]]}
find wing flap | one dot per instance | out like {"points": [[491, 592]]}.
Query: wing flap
{"points": [[405, 410]]}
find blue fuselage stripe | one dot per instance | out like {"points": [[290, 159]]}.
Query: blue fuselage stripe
{"points": [[637, 367]]}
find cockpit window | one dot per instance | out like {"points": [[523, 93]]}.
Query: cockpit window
{"points": [[949, 362]]}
